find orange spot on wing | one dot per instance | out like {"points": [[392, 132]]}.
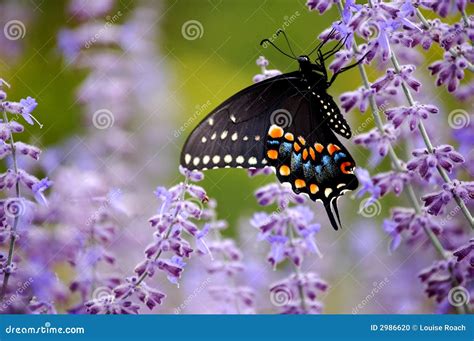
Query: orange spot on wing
{"points": [[302, 140], [344, 167], [289, 137], [332, 148], [312, 153], [296, 147], [319, 147], [313, 188], [272, 154], [285, 170], [275, 131], [305, 154], [300, 183]]}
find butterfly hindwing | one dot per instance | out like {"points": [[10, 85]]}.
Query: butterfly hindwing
{"points": [[309, 157]]}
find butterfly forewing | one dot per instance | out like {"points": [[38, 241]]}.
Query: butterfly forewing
{"points": [[233, 134]]}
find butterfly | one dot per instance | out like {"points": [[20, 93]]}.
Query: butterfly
{"points": [[288, 122]]}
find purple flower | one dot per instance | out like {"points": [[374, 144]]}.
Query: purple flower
{"points": [[377, 142], [466, 251], [265, 74], [359, 98], [193, 175], [29, 104], [414, 114], [391, 181], [38, 189], [367, 184], [435, 202], [319, 5], [450, 70], [276, 193], [425, 163]]}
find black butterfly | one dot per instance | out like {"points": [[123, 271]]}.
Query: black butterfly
{"points": [[287, 122]]}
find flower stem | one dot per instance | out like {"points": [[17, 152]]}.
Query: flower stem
{"points": [[298, 276], [16, 217]]}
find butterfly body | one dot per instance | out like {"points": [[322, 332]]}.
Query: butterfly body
{"points": [[287, 122]]}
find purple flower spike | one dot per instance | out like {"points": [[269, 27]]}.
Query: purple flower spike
{"points": [[413, 114], [425, 163], [436, 202], [450, 70]]}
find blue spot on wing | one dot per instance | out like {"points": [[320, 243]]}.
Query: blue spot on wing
{"points": [[339, 156]]}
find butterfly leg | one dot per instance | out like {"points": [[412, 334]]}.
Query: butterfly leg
{"points": [[336, 48], [344, 69]]}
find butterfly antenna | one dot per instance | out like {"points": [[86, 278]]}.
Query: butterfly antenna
{"points": [[280, 31], [281, 51], [321, 44]]}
